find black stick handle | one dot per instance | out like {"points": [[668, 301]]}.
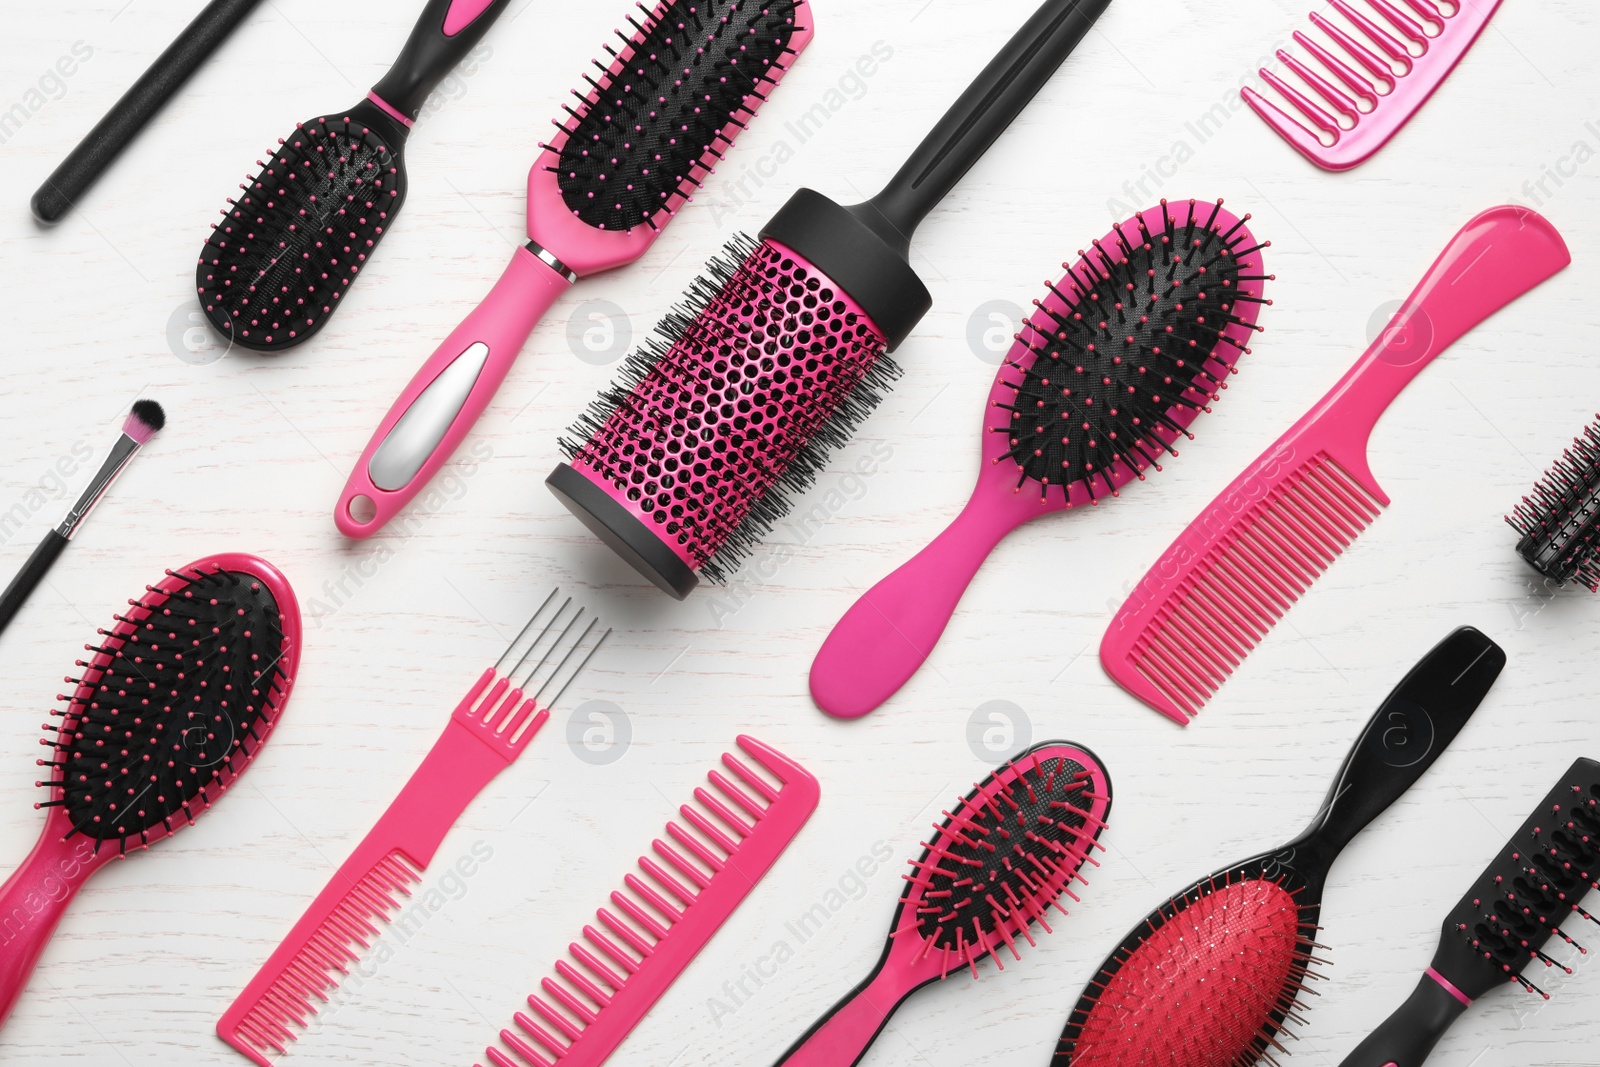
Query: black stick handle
{"points": [[446, 32], [84, 165], [991, 102], [1411, 729], [29, 577], [1407, 1037]]}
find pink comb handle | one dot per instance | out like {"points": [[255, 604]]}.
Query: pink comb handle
{"points": [[438, 409], [735, 832], [1390, 99], [1239, 566], [489, 729]]}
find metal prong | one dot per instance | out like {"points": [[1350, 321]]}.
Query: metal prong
{"points": [[578, 669], [499, 664], [556, 671], [527, 678]]}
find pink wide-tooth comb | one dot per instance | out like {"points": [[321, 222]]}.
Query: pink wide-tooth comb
{"points": [[732, 835], [1230, 576], [664, 105], [1372, 100], [490, 728], [1090, 396]]}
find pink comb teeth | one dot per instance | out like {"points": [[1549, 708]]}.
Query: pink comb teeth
{"points": [[1373, 98]]}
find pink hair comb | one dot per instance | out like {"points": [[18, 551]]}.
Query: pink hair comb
{"points": [[489, 729], [1407, 56], [736, 831], [1233, 573]]}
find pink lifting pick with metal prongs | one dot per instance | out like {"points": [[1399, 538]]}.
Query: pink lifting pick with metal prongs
{"points": [[489, 729], [1380, 85], [731, 836]]}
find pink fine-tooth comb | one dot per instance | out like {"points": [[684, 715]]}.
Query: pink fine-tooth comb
{"points": [[1239, 566], [1373, 103], [663, 105], [489, 729], [731, 836]]}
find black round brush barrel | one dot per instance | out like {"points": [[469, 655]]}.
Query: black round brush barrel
{"points": [[866, 248], [97, 151]]}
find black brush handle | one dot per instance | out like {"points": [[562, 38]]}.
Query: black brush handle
{"points": [[1414, 725], [443, 36], [84, 165], [990, 104], [29, 577], [1407, 1037]]}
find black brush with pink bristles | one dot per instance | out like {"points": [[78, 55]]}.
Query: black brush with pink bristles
{"points": [[1505, 921], [143, 422], [1560, 520], [1001, 860], [289, 246]]}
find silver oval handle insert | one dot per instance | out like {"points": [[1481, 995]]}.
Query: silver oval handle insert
{"points": [[418, 433]]}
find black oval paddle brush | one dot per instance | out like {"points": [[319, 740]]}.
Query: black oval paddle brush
{"points": [[275, 267]]}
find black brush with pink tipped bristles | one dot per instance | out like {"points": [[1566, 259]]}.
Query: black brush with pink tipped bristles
{"points": [[992, 871], [1504, 922], [143, 422], [1560, 520], [289, 246]]}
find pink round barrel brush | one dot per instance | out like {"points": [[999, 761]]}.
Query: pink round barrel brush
{"points": [[682, 466]]}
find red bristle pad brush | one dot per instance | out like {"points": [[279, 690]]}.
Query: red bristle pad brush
{"points": [[1214, 976], [176, 701], [1503, 924], [1560, 520], [288, 247], [1114, 365], [996, 866], [683, 465]]}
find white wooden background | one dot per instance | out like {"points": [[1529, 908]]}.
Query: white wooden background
{"points": [[97, 312]]}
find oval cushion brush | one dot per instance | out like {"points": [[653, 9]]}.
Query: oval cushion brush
{"points": [[642, 136], [1374, 101], [1503, 923], [1112, 367], [175, 703], [702, 870], [1213, 976], [991, 871], [275, 268], [494, 724], [1560, 520], [1238, 567], [683, 464]]}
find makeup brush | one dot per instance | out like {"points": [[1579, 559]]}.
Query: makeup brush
{"points": [[142, 423]]}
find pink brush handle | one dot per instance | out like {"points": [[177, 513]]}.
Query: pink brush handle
{"points": [[31, 905], [1497, 257], [887, 634], [844, 1037], [443, 402]]}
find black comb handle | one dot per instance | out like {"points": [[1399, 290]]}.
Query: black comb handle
{"points": [[443, 36], [103, 144], [1413, 726], [981, 114]]}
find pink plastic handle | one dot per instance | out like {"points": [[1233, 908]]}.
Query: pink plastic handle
{"points": [[841, 1041], [886, 635], [1494, 259], [32, 903], [445, 398]]}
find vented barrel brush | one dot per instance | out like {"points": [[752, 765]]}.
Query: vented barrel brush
{"points": [[287, 249], [1560, 520], [683, 465]]}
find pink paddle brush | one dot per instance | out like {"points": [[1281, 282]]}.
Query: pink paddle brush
{"points": [[1115, 363], [1229, 577], [1213, 977], [644, 133], [997, 864], [176, 702]]}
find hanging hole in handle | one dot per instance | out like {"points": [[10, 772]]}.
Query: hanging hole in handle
{"points": [[362, 509]]}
